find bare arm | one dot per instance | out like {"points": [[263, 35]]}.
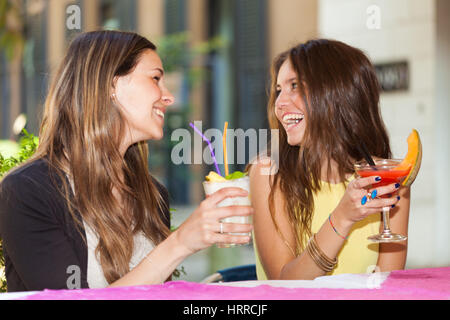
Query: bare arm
{"points": [[198, 232], [157, 266], [274, 250]]}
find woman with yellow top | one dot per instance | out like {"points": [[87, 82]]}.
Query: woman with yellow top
{"points": [[312, 214]]}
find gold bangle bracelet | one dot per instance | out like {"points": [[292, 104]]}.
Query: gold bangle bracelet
{"points": [[320, 262], [317, 261], [319, 257], [321, 253], [313, 250]]}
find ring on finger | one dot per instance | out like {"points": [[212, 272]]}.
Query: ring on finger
{"points": [[368, 197]]}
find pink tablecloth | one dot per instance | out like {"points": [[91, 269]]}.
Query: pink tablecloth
{"points": [[423, 284]]}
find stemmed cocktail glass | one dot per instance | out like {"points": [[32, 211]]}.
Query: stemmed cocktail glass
{"points": [[390, 172]]}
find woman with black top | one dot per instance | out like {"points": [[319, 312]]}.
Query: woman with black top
{"points": [[86, 205]]}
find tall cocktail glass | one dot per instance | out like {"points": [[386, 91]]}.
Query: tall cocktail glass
{"points": [[243, 183]]}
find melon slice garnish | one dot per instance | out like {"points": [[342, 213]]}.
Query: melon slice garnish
{"points": [[413, 158]]}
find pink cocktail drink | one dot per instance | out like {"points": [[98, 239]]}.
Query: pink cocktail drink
{"points": [[388, 176]]}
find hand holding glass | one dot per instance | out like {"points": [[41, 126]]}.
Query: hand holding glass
{"points": [[389, 172], [243, 183]]}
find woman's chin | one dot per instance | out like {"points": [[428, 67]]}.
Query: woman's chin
{"points": [[153, 135], [157, 136], [293, 141]]}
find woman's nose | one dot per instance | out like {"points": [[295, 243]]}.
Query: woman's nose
{"points": [[281, 101], [167, 98]]}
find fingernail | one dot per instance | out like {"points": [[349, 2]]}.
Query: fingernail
{"points": [[377, 179], [374, 194], [397, 185], [398, 197], [393, 206], [364, 200]]}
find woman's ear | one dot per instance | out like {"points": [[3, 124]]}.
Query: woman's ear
{"points": [[113, 88]]}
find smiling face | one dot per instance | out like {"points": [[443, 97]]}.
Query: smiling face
{"points": [[289, 105], [143, 99]]}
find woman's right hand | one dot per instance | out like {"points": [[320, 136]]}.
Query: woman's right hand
{"points": [[352, 208], [202, 228]]}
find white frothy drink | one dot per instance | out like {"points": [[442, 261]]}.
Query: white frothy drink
{"points": [[243, 183]]}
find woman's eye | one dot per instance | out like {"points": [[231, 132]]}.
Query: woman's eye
{"points": [[294, 85], [157, 79]]}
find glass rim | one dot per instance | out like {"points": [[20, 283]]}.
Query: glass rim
{"points": [[383, 163], [227, 181]]}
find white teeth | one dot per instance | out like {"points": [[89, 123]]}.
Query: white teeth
{"points": [[293, 117], [159, 113]]}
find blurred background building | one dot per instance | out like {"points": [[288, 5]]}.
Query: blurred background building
{"points": [[218, 53]]}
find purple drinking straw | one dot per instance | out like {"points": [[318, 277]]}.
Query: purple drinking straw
{"points": [[209, 145]]}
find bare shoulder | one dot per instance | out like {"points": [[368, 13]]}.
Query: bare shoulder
{"points": [[262, 169], [262, 183]]}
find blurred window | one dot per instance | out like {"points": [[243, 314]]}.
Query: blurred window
{"points": [[118, 15], [175, 12], [241, 70], [34, 72], [251, 65]]}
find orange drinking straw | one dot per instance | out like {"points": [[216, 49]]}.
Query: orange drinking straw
{"points": [[225, 156]]}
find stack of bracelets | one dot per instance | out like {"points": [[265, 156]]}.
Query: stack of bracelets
{"points": [[321, 260]]}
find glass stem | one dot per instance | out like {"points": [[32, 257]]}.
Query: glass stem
{"points": [[386, 225]]}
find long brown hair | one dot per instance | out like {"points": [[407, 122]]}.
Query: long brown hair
{"points": [[80, 136], [341, 94]]}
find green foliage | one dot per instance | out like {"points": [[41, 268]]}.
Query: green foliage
{"points": [[178, 53], [172, 50], [28, 144]]}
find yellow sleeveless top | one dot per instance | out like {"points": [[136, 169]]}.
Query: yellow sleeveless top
{"points": [[357, 254]]}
